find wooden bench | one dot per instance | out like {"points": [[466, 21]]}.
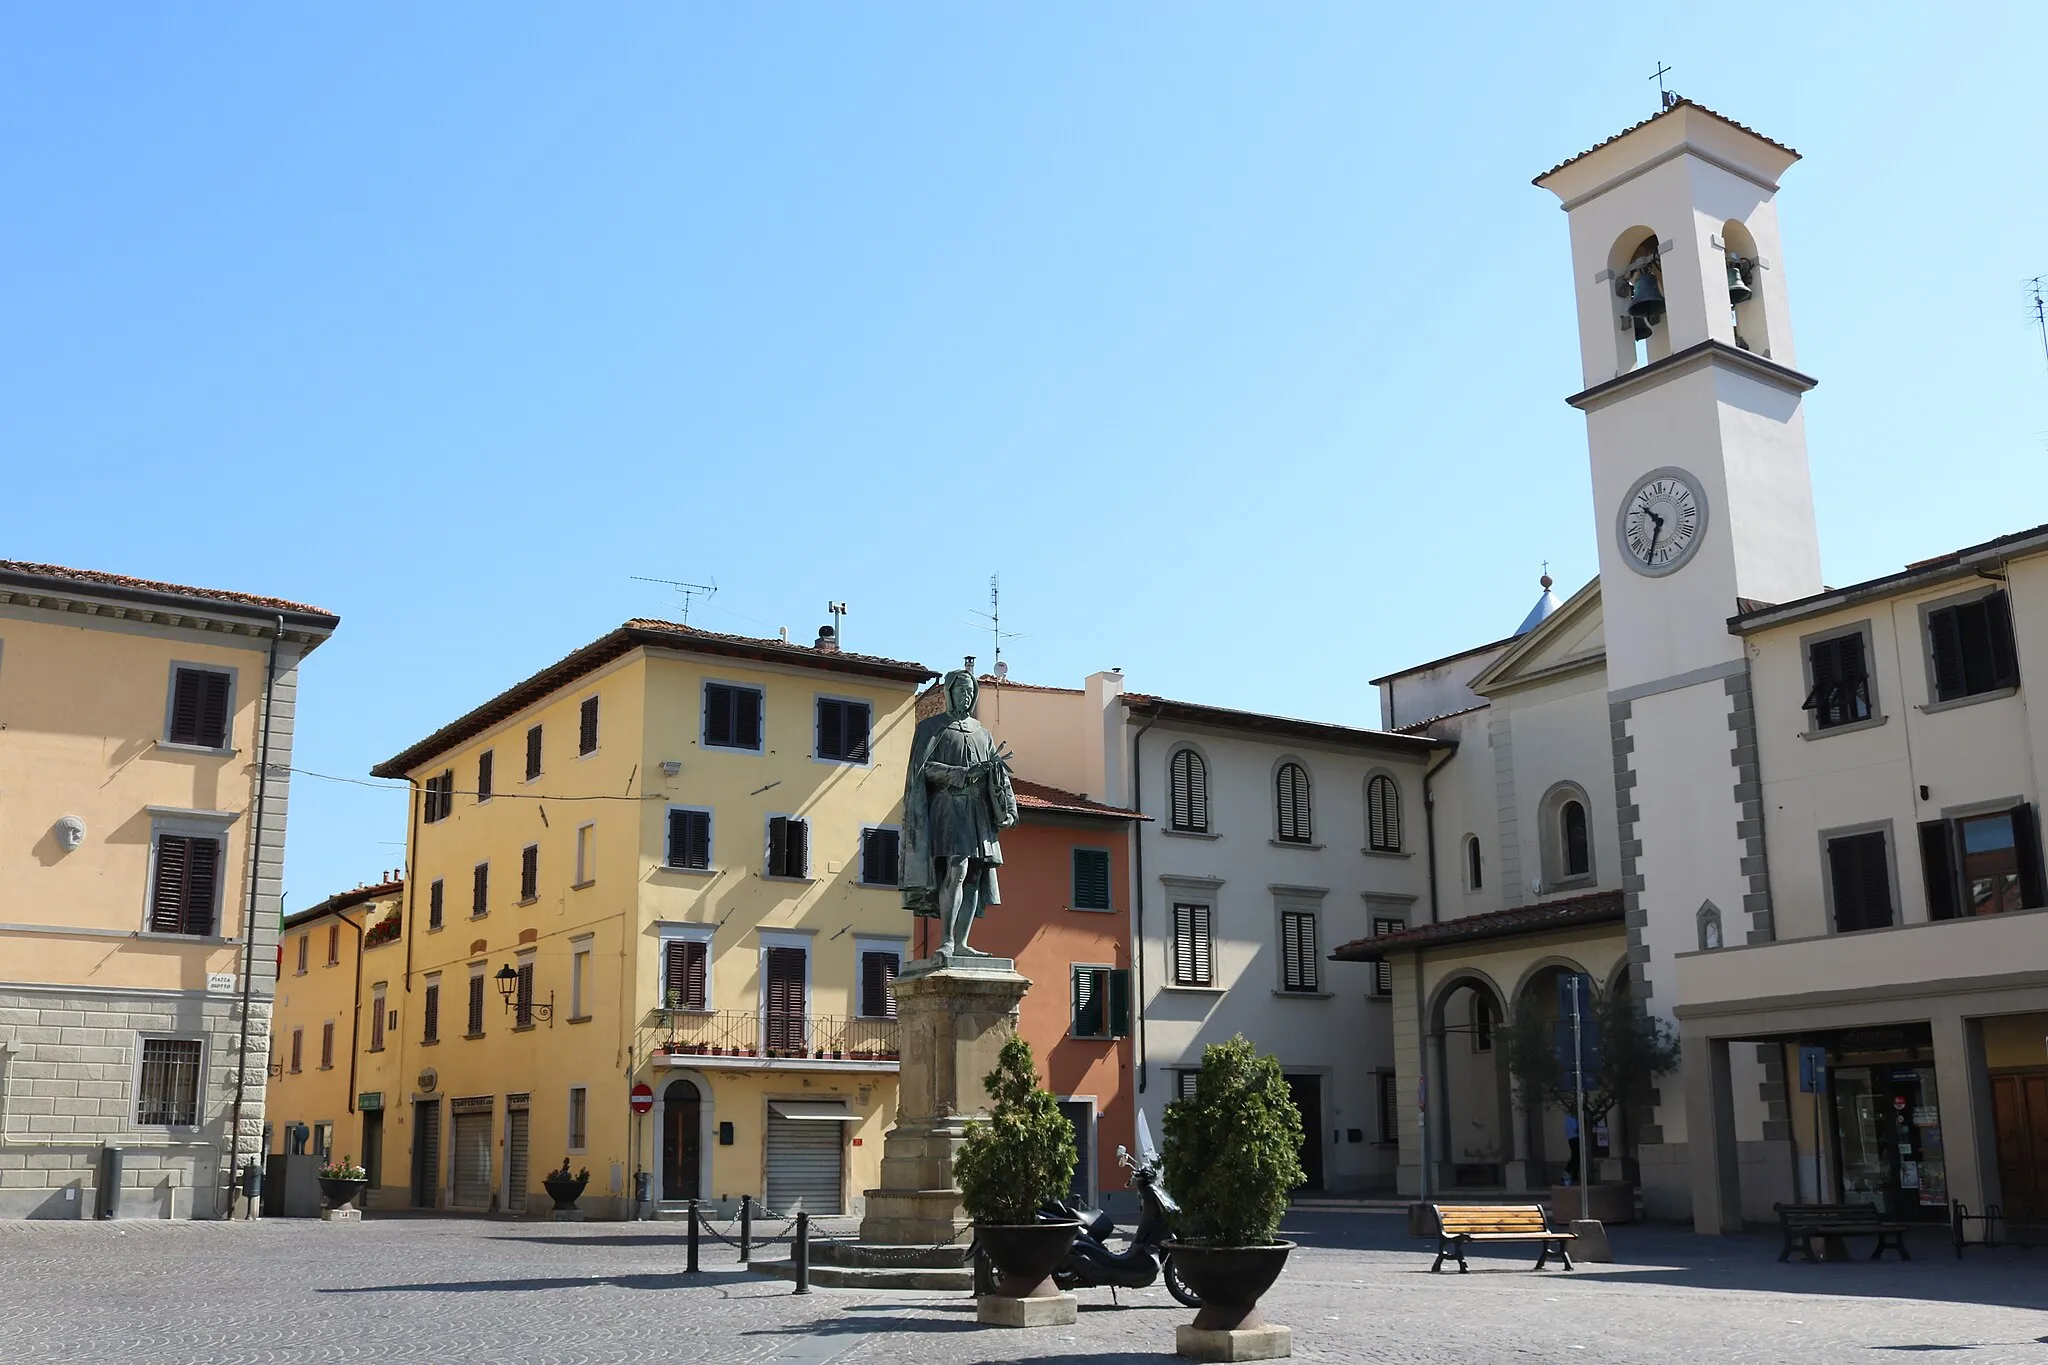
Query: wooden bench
{"points": [[1804, 1222], [1458, 1224]]}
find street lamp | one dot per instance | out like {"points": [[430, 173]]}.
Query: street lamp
{"points": [[508, 986]]}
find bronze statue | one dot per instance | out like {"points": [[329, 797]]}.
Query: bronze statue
{"points": [[956, 800]]}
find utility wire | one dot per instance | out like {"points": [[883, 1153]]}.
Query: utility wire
{"points": [[495, 795]]}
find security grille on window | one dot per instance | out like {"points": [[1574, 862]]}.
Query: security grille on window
{"points": [[878, 983], [199, 707], [522, 1010], [689, 839], [430, 1013], [485, 763], [1861, 881], [1192, 948], [1188, 784], [168, 1093], [476, 1004], [586, 726], [684, 966], [439, 797], [1383, 815], [732, 716], [529, 872], [1972, 648], [1840, 694], [1292, 804], [187, 885], [1091, 879], [881, 853], [788, 847], [1390, 1108], [1383, 970], [437, 901], [1983, 864], [480, 891], [1102, 1002], [843, 730], [533, 753], [1298, 951]]}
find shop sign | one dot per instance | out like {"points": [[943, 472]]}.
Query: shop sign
{"points": [[370, 1101]]}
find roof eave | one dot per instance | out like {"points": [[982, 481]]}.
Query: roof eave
{"points": [[302, 618], [1963, 564]]}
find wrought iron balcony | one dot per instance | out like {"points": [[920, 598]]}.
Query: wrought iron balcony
{"points": [[753, 1038]]}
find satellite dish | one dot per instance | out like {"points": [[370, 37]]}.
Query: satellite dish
{"points": [[1002, 670]]}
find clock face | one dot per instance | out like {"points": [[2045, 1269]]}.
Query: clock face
{"points": [[1662, 521]]}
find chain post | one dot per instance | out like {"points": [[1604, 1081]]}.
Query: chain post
{"points": [[746, 1228], [800, 1252], [691, 1268]]}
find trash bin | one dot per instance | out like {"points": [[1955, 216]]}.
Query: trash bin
{"points": [[643, 1192], [108, 1201], [252, 1186]]}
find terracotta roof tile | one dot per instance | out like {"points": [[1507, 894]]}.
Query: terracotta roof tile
{"points": [[1673, 107], [1599, 907], [1416, 727], [347, 900], [1286, 727], [1042, 796], [14, 569], [1752, 615]]}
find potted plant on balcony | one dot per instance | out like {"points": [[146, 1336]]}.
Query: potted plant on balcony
{"points": [[341, 1182], [1011, 1163], [1623, 1050], [1232, 1157], [565, 1189]]}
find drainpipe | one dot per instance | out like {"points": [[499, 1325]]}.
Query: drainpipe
{"points": [[249, 919], [355, 1023], [1138, 895], [412, 881], [1429, 825]]}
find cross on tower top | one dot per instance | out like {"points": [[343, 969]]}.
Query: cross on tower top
{"points": [[1666, 97]]}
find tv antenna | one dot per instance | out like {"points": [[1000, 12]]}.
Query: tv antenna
{"points": [[994, 617], [2034, 288], [690, 591], [838, 611]]}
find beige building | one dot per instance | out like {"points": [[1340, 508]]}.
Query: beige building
{"points": [[141, 846]]}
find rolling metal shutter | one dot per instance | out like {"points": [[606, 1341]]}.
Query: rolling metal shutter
{"points": [[516, 1161], [472, 1133], [426, 1169], [806, 1157]]}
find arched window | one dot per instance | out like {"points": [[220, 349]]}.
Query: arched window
{"points": [[1292, 819], [1382, 815], [1188, 780], [1578, 853], [1474, 873]]}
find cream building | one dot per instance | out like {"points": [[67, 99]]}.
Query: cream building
{"points": [[141, 850]]}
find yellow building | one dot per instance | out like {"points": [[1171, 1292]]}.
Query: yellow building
{"points": [[667, 817], [327, 1013], [138, 950]]}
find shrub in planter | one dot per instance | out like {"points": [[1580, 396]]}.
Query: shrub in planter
{"points": [[565, 1189], [1232, 1156], [341, 1182], [1018, 1158]]}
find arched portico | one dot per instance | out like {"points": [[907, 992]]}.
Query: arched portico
{"points": [[1471, 1113]]}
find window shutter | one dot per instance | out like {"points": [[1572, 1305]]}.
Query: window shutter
{"points": [[799, 853], [1863, 898], [1937, 865], [586, 727], [523, 995], [436, 903], [533, 753], [1190, 783], [184, 707], [480, 890], [202, 885], [213, 710], [1946, 645], [1383, 977], [1119, 1003], [484, 763], [1877, 885], [167, 898], [430, 1011], [785, 999], [1088, 1003], [778, 845], [1824, 661], [877, 985], [1183, 945], [2005, 669], [1091, 879], [476, 1004], [2026, 846], [1199, 921], [746, 722], [718, 714], [1177, 773], [831, 728], [529, 872]]}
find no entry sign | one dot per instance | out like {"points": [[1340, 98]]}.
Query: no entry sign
{"points": [[643, 1099]]}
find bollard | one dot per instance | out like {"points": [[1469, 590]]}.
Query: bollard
{"points": [[746, 1228], [691, 1268], [800, 1252]]}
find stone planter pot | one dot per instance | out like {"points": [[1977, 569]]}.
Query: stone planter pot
{"points": [[341, 1193], [1606, 1202], [564, 1190], [1025, 1255], [1230, 1281]]}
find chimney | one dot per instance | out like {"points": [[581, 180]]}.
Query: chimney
{"points": [[828, 640]]}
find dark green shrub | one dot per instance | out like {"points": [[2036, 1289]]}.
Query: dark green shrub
{"points": [[1022, 1154], [1233, 1149]]}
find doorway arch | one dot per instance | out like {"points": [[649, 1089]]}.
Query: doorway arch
{"points": [[682, 1140], [1470, 1098]]}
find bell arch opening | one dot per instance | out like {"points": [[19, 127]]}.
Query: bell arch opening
{"points": [[1637, 269], [1745, 288]]}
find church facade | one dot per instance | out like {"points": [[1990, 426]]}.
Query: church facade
{"points": [[1797, 822]]}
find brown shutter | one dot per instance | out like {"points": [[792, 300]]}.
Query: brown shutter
{"points": [[785, 969], [778, 845], [213, 710], [857, 727], [586, 729], [184, 707], [877, 984], [430, 1011], [1938, 867], [533, 738], [167, 898], [480, 890], [484, 763], [437, 900], [476, 1004]]}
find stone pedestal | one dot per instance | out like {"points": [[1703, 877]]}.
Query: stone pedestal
{"points": [[954, 1015], [1267, 1341], [341, 1215], [1042, 1310], [565, 1215], [1592, 1242]]}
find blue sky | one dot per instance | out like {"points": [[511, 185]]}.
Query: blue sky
{"points": [[1233, 336]]}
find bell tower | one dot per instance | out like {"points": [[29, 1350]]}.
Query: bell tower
{"points": [[1703, 501]]}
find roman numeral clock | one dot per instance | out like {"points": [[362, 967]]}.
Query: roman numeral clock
{"points": [[1661, 521]]}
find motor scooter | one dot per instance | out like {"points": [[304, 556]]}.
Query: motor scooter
{"points": [[1092, 1264]]}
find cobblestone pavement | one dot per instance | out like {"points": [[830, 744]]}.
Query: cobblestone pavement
{"points": [[415, 1290]]}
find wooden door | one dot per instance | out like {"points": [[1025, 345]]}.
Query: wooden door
{"points": [[2019, 1110], [682, 1141]]}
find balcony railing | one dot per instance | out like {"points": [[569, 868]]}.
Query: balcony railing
{"points": [[773, 1034]]}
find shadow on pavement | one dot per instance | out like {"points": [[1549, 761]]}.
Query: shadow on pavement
{"points": [[672, 1280]]}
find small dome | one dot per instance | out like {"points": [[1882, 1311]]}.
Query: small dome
{"points": [[1545, 605]]}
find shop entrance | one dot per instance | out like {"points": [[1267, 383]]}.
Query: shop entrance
{"points": [[1888, 1143], [682, 1140], [2019, 1107]]}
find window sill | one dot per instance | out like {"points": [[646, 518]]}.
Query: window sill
{"points": [[1384, 853], [295, 1072], [730, 748], [328, 1067], [472, 1035], [583, 885], [1092, 1037], [210, 940], [1995, 694], [1199, 990], [522, 1028], [480, 914], [842, 762], [430, 1042], [1305, 995], [378, 1048], [1849, 729], [587, 753], [578, 1019], [1093, 909], [1386, 999], [209, 750], [1296, 843], [435, 928], [527, 900], [687, 871], [779, 877], [1189, 834], [1583, 882]]}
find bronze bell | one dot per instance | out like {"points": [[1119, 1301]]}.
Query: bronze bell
{"points": [[1738, 288], [1642, 328], [1645, 300]]}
